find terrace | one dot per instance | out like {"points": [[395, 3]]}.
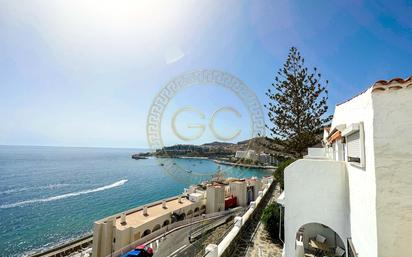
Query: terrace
{"points": [[318, 193], [153, 212]]}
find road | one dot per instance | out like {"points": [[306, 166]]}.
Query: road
{"points": [[174, 242], [177, 244]]}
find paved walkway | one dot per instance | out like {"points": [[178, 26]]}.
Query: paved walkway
{"points": [[262, 245]]}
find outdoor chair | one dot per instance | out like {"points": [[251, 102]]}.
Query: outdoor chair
{"points": [[339, 252], [320, 238]]}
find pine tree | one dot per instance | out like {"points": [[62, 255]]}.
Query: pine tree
{"points": [[297, 108]]}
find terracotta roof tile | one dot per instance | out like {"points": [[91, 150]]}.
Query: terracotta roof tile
{"points": [[393, 84]]}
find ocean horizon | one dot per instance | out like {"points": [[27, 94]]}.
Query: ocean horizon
{"points": [[51, 194]]}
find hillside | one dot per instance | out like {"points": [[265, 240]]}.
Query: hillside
{"points": [[215, 149]]}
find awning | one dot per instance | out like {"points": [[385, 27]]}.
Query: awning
{"points": [[335, 136]]}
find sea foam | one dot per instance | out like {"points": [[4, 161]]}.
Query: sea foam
{"points": [[63, 196]]}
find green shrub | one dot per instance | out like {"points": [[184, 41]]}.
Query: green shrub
{"points": [[278, 174], [271, 221]]}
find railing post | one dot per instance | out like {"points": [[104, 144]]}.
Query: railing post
{"points": [[123, 219], [253, 204], [211, 250], [238, 221]]}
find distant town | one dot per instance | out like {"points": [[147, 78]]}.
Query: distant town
{"points": [[256, 152]]}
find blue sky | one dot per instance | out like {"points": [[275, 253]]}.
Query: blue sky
{"points": [[84, 73]]}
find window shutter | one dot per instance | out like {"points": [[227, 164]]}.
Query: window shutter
{"points": [[354, 147]]}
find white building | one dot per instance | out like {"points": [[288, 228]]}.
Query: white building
{"points": [[267, 159], [255, 185], [357, 191], [118, 232], [239, 190], [125, 228], [215, 199], [252, 155], [248, 154]]}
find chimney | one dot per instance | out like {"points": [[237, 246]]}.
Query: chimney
{"points": [[123, 219], [145, 211], [164, 204]]}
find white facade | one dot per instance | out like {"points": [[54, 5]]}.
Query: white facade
{"points": [[267, 159], [248, 154], [361, 188], [144, 222], [138, 223], [239, 190], [196, 197], [215, 199], [252, 155], [256, 184]]}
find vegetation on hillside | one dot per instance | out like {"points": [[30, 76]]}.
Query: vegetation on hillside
{"points": [[216, 149]]}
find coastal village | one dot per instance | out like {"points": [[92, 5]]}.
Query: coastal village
{"points": [[206, 129], [361, 176]]}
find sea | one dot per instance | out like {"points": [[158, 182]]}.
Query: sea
{"points": [[51, 195]]}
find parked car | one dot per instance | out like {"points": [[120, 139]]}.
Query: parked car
{"points": [[140, 251]]}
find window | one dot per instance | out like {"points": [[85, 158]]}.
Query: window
{"points": [[354, 139], [354, 146]]}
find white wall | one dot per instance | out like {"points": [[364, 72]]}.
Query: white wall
{"points": [[315, 192], [380, 194], [238, 189], [316, 153], [362, 185], [393, 141], [215, 200]]}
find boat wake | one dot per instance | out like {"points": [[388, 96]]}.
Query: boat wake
{"points": [[63, 196]]}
